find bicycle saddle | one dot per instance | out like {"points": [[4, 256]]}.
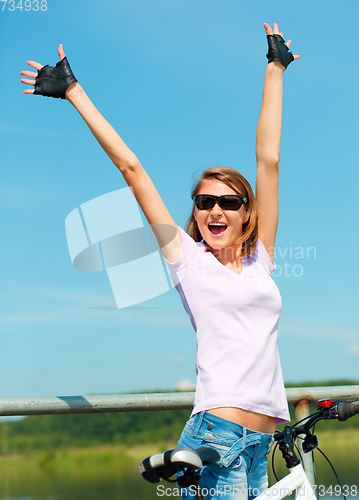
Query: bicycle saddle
{"points": [[164, 465]]}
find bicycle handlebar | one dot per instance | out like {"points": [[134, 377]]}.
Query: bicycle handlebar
{"points": [[327, 409], [347, 410]]}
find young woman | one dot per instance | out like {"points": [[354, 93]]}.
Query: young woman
{"points": [[223, 266]]}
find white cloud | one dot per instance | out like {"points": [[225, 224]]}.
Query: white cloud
{"points": [[174, 359], [32, 318], [29, 197], [29, 130], [351, 351], [299, 328], [58, 294], [185, 385], [62, 304]]}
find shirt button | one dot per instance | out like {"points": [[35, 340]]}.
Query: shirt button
{"points": [[209, 436], [210, 425]]}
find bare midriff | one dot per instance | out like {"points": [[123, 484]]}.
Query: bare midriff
{"points": [[254, 421]]}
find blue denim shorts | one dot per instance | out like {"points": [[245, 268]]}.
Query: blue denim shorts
{"points": [[241, 472]]}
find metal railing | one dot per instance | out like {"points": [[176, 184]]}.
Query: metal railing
{"points": [[299, 397], [151, 402]]}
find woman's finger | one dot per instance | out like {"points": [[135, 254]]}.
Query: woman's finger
{"points": [[268, 29], [29, 82], [288, 43], [275, 29], [28, 73], [61, 52], [27, 91], [296, 57], [35, 65]]}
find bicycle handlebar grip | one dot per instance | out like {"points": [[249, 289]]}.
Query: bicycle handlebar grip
{"points": [[347, 410]]}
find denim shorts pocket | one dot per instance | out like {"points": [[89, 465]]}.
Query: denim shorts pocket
{"points": [[188, 428], [222, 450], [219, 439], [191, 420], [223, 445]]}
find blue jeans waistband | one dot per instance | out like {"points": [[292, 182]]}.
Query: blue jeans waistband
{"points": [[234, 437], [230, 425]]}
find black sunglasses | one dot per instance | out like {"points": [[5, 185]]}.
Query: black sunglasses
{"points": [[226, 202]]}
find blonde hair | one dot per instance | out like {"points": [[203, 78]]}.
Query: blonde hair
{"points": [[240, 185]]}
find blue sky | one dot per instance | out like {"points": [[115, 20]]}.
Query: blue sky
{"points": [[181, 81]]}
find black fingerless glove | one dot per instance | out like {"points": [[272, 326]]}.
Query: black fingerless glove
{"points": [[53, 81], [278, 51]]}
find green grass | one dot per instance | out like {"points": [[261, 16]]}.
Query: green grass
{"points": [[107, 471], [96, 473]]}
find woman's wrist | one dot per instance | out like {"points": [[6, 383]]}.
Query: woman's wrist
{"points": [[74, 92], [275, 66]]}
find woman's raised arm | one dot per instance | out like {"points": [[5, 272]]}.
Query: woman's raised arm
{"points": [[48, 82], [268, 137]]}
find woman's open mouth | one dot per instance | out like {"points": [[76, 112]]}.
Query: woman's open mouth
{"points": [[217, 228]]}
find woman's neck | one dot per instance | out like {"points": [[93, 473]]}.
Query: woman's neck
{"points": [[231, 255]]}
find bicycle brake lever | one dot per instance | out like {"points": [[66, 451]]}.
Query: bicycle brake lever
{"points": [[310, 442]]}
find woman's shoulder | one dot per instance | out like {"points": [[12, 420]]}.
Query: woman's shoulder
{"points": [[189, 249], [190, 241], [261, 256]]}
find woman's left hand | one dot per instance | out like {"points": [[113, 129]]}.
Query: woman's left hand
{"points": [[278, 49]]}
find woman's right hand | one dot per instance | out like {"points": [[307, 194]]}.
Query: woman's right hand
{"points": [[50, 81]]}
